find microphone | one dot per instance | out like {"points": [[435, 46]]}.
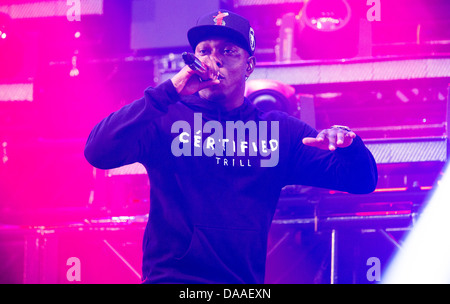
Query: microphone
{"points": [[193, 62]]}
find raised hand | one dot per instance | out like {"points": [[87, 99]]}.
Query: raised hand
{"points": [[188, 81], [330, 139]]}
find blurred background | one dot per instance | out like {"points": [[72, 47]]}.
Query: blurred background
{"points": [[380, 67]]}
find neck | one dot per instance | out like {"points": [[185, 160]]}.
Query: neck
{"points": [[226, 102], [228, 105]]}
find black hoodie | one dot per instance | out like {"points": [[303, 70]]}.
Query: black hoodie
{"points": [[211, 210]]}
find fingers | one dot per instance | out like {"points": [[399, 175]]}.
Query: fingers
{"points": [[330, 139], [212, 70], [311, 141], [319, 142], [340, 138], [351, 134], [189, 81]]}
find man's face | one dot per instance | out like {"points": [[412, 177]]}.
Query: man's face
{"points": [[233, 64]]}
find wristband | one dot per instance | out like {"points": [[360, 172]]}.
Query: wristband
{"points": [[341, 127]]}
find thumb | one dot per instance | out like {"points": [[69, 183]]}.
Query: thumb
{"points": [[312, 141]]}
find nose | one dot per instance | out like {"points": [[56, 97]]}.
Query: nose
{"points": [[215, 57], [219, 63]]}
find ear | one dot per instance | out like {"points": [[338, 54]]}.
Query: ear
{"points": [[251, 62]]}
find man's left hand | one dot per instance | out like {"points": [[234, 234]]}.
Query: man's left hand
{"points": [[330, 139]]}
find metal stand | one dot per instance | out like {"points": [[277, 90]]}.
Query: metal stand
{"points": [[334, 257], [335, 224]]}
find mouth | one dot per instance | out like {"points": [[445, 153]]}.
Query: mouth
{"points": [[220, 76]]}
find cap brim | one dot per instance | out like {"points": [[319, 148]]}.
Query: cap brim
{"points": [[203, 32]]}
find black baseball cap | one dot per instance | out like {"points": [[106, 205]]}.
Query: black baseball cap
{"points": [[223, 23]]}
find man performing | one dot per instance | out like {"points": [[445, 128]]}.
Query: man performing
{"points": [[217, 164]]}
